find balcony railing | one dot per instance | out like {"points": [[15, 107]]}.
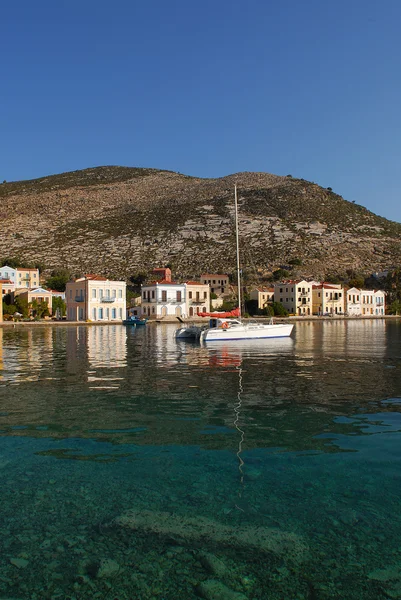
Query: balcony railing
{"points": [[107, 299], [79, 299], [159, 301]]}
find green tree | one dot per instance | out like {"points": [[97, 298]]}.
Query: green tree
{"points": [[357, 282], [39, 309], [392, 285], [279, 309], [9, 309], [14, 263], [280, 274], [58, 304], [22, 306], [296, 262], [58, 279], [394, 308]]}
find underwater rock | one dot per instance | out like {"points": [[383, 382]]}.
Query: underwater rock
{"points": [[20, 563], [213, 564], [108, 568], [202, 529], [390, 578], [215, 590]]}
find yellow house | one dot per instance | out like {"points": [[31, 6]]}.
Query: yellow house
{"points": [[197, 298], [38, 295], [8, 287], [219, 284], [95, 298], [328, 298], [26, 278], [295, 296], [264, 296]]}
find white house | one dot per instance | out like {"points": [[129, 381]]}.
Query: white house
{"points": [[354, 302], [373, 302], [163, 299], [366, 302]]}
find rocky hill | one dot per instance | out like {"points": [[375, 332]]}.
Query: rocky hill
{"points": [[119, 220]]}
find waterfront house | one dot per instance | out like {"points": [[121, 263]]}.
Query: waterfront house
{"points": [[328, 298], [353, 305], [1, 303], [197, 298], [95, 298], [21, 277], [373, 302], [263, 296], [366, 302], [34, 296], [163, 299], [295, 296], [8, 287], [219, 284]]}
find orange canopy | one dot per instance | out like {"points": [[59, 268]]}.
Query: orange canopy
{"points": [[222, 315]]}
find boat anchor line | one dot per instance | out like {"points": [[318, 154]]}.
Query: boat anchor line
{"points": [[237, 409]]}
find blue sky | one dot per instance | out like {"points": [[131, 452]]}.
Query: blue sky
{"points": [[209, 88]]}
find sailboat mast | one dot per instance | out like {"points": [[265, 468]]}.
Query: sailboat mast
{"points": [[237, 245]]}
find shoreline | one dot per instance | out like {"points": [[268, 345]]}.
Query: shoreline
{"points": [[312, 318]]}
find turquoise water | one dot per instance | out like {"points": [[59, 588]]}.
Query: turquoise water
{"points": [[133, 466]]}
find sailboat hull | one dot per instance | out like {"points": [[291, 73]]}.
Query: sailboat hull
{"points": [[248, 331]]}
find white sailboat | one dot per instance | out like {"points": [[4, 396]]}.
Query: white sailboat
{"points": [[225, 328]]}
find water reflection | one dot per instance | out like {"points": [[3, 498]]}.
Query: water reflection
{"points": [[128, 385]]}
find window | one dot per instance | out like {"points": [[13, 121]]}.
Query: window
{"points": [[100, 314], [120, 294], [281, 290], [113, 313], [204, 295], [107, 313], [114, 293], [178, 296], [120, 313], [153, 294], [93, 292], [190, 295], [164, 296], [94, 314], [107, 293]]}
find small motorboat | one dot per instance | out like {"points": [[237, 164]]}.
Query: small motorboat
{"points": [[135, 320]]}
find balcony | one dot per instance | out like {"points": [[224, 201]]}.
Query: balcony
{"points": [[107, 299], [79, 299]]}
